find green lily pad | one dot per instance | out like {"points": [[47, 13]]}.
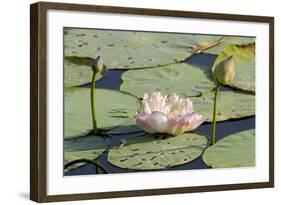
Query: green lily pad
{"points": [[236, 150], [77, 74], [227, 41], [130, 49], [125, 129], [112, 109], [181, 78], [231, 105], [88, 147], [79, 60], [149, 153], [244, 58]]}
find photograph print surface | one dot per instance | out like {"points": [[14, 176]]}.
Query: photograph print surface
{"points": [[152, 101]]}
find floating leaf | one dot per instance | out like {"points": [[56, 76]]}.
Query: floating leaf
{"points": [[75, 74], [149, 153], [236, 150], [112, 109], [231, 105], [125, 129], [182, 79], [227, 41], [244, 58], [80, 60], [130, 49], [88, 147]]}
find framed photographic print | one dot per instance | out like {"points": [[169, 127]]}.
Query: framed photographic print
{"points": [[134, 102]]}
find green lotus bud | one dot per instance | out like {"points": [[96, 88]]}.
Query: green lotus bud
{"points": [[98, 65], [225, 71]]}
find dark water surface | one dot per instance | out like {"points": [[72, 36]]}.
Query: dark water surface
{"points": [[112, 80]]}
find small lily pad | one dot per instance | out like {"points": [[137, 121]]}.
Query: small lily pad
{"points": [[182, 79], [151, 153], [88, 147], [244, 59], [231, 105], [112, 109], [236, 150], [130, 49]]}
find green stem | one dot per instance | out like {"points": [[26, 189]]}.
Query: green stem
{"points": [[214, 114], [95, 129]]}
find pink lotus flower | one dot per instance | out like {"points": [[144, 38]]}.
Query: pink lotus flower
{"points": [[170, 114]]}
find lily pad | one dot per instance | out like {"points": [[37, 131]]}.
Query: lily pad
{"points": [[236, 150], [227, 41], [181, 78], [88, 147], [231, 105], [77, 74], [244, 58], [125, 129], [130, 49], [149, 153], [112, 109]]}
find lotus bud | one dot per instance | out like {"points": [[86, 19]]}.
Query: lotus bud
{"points": [[98, 65], [225, 71]]}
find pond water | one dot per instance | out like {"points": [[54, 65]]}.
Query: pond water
{"points": [[112, 80]]}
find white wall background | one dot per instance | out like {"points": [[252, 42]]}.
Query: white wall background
{"points": [[14, 100]]}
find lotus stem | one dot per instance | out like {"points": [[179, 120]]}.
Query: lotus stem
{"points": [[95, 128], [215, 114]]}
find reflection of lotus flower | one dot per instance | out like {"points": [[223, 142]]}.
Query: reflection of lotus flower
{"points": [[167, 114]]}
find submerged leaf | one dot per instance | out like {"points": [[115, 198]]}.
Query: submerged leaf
{"points": [[236, 150], [113, 109], [149, 153]]}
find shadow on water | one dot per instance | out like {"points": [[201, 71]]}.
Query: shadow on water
{"points": [[113, 81]]}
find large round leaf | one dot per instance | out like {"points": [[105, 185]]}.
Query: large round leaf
{"points": [[244, 58], [149, 153], [88, 147], [231, 105], [125, 129], [77, 74], [227, 41], [236, 150], [112, 109], [181, 78], [129, 49]]}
